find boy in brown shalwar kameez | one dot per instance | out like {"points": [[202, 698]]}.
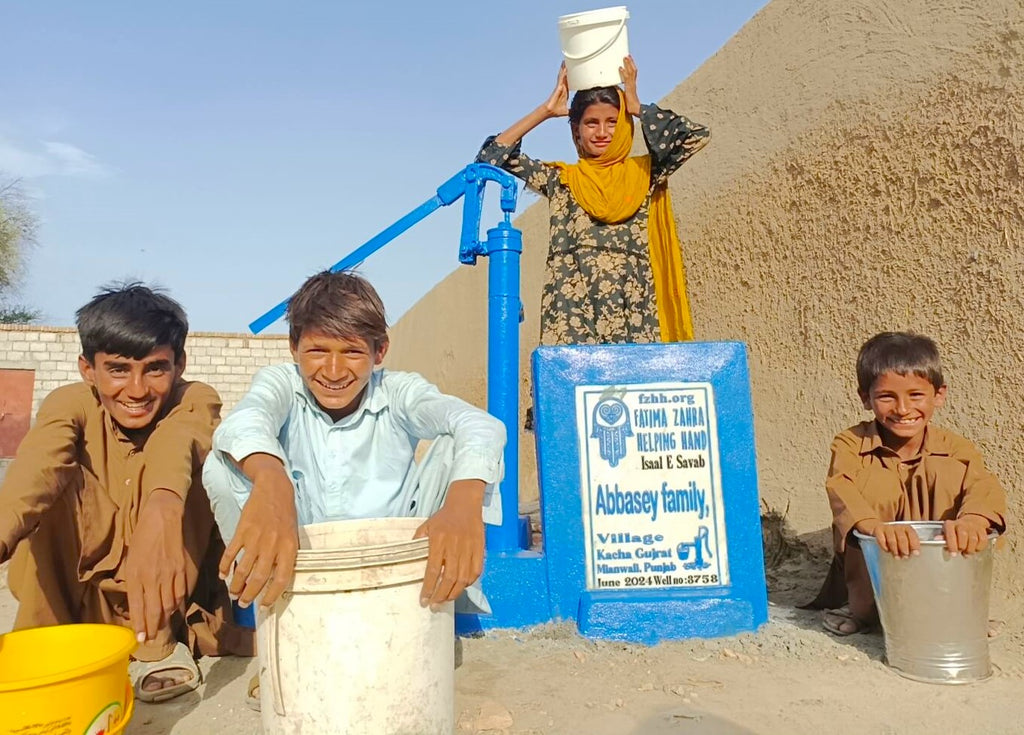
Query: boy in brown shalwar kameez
{"points": [[103, 508], [899, 468]]}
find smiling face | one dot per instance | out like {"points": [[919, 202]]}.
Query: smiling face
{"points": [[133, 391], [336, 370], [903, 405], [596, 128]]}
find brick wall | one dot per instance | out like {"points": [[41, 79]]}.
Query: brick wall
{"points": [[225, 361]]}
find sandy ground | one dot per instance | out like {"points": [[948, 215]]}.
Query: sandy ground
{"points": [[789, 677]]}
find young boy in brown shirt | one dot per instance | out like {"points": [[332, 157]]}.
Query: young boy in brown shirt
{"points": [[899, 467], [103, 512]]}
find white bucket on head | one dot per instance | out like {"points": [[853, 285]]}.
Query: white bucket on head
{"points": [[594, 43], [348, 649]]}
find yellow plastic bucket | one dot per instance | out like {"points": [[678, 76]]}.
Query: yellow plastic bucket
{"points": [[67, 679]]}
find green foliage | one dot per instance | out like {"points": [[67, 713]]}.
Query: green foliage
{"points": [[17, 236], [18, 314]]}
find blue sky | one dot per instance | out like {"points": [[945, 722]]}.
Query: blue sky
{"points": [[226, 150]]}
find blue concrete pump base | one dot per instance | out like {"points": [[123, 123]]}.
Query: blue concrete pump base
{"points": [[649, 495]]}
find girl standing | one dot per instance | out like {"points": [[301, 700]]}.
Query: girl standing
{"points": [[614, 267]]}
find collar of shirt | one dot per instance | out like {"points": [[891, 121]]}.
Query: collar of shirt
{"points": [[373, 401], [934, 443]]}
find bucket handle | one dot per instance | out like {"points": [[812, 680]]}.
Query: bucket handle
{"points": [[273, 669], [607, 45]]}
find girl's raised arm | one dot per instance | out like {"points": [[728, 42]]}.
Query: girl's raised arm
{"points": [[557, 105]]}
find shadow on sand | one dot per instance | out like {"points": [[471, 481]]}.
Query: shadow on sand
{"points": [[795, 567], [689, 721]]}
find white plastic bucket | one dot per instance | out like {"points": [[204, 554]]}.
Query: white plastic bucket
{"points": [[594, 43], [348, 649]]}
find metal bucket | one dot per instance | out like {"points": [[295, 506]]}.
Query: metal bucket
{"points": [[933, 608]]}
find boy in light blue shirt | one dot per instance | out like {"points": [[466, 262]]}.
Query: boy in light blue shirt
{"points": [[332, 437]]}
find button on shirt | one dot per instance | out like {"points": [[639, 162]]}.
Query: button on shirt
{"points": [[355, 468]]}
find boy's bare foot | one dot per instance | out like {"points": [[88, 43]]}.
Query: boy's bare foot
{"points": [[165, 679], [158, 681], [841, 622]]}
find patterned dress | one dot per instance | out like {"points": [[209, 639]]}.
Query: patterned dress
{"points": [[598, 287]]}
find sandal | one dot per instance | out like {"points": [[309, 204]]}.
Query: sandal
{"points": [[252, 694], [841, 622], [179, 659]]}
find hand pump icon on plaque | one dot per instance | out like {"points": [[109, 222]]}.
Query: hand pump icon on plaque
{"points": [[700, 546]]}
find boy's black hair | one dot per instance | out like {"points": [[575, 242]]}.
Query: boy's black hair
{"points": [[898, 352], [131, 320]]}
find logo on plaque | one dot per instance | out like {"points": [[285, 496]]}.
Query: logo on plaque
{"points": [[611, 428]]}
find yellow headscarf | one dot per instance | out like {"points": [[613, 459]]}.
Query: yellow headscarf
{"points": [[611, 188]]}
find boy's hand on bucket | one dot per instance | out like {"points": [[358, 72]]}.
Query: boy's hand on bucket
{"points": [[267, 537], [966, 535], [456, 536], [155, 567], [895, 538]]}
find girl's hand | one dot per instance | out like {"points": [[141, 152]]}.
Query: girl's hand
{"points": [[628, 74], [558, 103]]}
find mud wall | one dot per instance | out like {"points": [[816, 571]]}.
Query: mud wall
{"points": [[864, 174]]}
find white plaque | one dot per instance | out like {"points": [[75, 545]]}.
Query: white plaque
{"points": [[653, 515]]}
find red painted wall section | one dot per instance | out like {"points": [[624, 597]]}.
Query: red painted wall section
{"points": [[15, 408]]}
